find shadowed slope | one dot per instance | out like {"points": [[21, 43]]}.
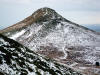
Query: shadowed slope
{"points": [[16, 59]]}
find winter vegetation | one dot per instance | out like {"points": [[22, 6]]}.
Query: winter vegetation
{"points": [[49, 34]]}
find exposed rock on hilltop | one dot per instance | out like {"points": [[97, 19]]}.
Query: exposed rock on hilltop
{"points": [[38, 15]]}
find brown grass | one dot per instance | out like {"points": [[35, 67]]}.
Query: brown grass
{"points": [[27, 21]]}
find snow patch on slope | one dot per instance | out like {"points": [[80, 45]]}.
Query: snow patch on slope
{"points": [[15, 36]]}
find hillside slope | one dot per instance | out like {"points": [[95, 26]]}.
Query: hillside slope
{"points": [[48, 33], [16, 59]]}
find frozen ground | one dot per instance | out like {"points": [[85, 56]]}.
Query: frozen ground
{"points": [[54, 36]]}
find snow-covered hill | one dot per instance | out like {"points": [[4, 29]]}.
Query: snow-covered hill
{"points": [[16, 59], [48, 33]]}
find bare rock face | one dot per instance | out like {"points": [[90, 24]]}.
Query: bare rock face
{"points": [[48, 33]]}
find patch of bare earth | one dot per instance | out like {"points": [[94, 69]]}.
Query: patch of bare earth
{"points": [[78, 64], [51, 52]]}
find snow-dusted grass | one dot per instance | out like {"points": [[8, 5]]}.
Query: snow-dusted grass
{"points": [[58, 33], [64, 34]]}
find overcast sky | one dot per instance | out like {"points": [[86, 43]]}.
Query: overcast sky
{"points": [[78, 11]]}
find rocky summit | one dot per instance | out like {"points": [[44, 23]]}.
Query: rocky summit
{"points": [[48, 33]]}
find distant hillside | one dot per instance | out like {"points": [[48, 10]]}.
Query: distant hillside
{"points": [[95, 27]]}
